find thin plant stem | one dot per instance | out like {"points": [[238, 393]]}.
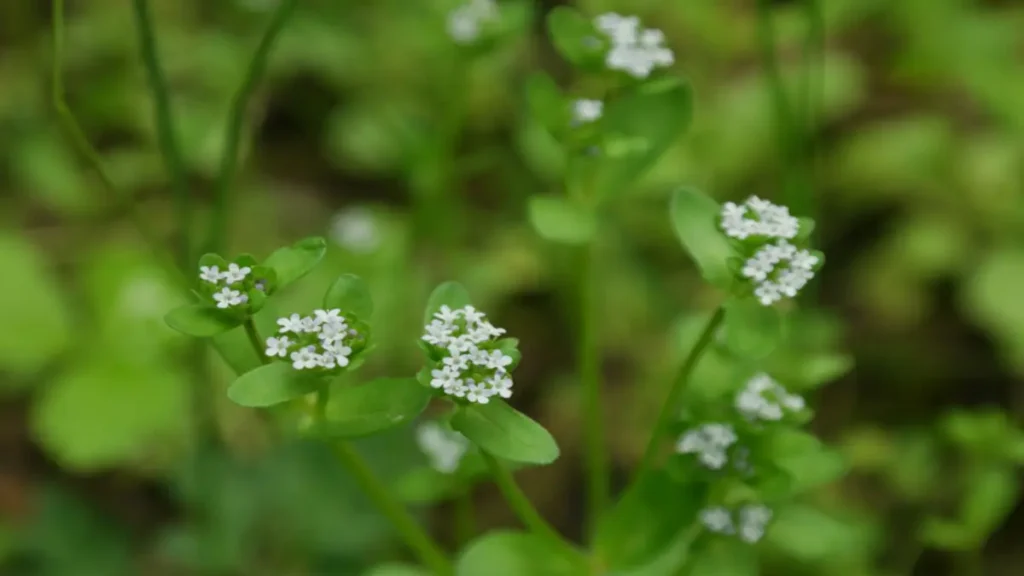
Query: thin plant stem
{"points": [[255, 340], [588, 356], [421, 543], [465, 516], [670, 408], [166, 135], [522, 506], [219, 220]]}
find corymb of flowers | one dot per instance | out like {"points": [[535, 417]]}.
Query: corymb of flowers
{"points": [[471, 363], [748, 522], [634, 50], [236, 287], [326, 341], [768, 237]]}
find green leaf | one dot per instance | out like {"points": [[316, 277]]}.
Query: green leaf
{"points": [[350, 294], [451, 294], [575, 37], [810, 535], [376, 406], [559, 220], [295, 261], [993, 492], [272, 384], [425, 485], [646, 520], [695, 219], [510, 347], [37, 322], [724, 557], [808, 461], [506, 433], [507, 553], [212, 259], [639, 127], [397, 570], [546, 102], [201, 320], [752, 330]]}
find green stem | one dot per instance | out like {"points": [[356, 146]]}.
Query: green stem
{"points": [[421, 543], [219, 220], [588, 355], [670, 408], [465, 517], [522, 506], [169, 147], [255, 340]]}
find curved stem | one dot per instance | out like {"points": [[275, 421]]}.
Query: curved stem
{"points": [[670, 408], [421, 543], [255, 340], [218, 231], [595, 453], [168, 140]]}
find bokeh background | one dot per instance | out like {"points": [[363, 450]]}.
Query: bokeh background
{"points": [[415, 159]]}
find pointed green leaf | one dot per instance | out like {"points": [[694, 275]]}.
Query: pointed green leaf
{"points": [[201, 320], [695, 219], [575, 37], [295, 261], [807, 460], [350, 294], [558, 219], [451, 294], [640, 126], [752, 330], [272, 384], [506, 433], [993, 494], [508, 553], [646, 520], [375, 406], [212, 259]]}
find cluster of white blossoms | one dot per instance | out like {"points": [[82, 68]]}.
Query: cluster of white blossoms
{"points": [[469, 368], [765, 399], [319, 341], [710, 443], [778, 269], [444, 448], [585, 111], [227, 296], [465, 22], [749, 522], [635, 50]]}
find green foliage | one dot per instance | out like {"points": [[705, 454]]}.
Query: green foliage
{"points": [[350, 294], [752, 330], [293, 262], [369, 408], [201, 320], [574, 37], [505, 553], [505, 432], [273, 384], [560, 220], [695, 220], [450, 294]]}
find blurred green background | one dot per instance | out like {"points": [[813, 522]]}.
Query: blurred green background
{"points": [[415, 159]]}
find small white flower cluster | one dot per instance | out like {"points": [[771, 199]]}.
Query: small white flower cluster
{"points": [[464, 22], [750, 521], [443, 447], [585, 111], [227, 296], [469, 370], [635, 50], [778, 269], [771, 220], [710, 443], [318, 341], [765, 399]]}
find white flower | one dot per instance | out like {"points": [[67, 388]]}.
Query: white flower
{"points": [[470, 367], [466, 21], [292, 323], [710, 443], [477, 393], [498, 360], [305, 358], [635, 50], [754, 518], [718, 520], [328, 316], [769, 220], [278, 346], [235, 274], [210, 274], [446, 315], [227, 298], [779, 270], [443, 447], [765, 399], [585, 111], [438, 333]]}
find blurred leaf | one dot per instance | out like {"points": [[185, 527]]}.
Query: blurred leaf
{"points": [[992, 493], [505, 432], [724, 557], [350, 294], [451, 294], [201, 320], [695, 220], [558, 219], [811, 535], [646, 520], [639, 127], [37, 323], [64, 536], [946, 535], [397, 570], [574, 36], [375, 406], [425, 485], [546, 103], [806, 459], [752, 330], [295, 261], [506, 553], [272, 384], [992, 299]]}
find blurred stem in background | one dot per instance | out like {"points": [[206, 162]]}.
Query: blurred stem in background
{"points": [[465, 517], [589, 358]]}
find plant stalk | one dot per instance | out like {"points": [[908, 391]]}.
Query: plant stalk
{"points": [[589, 358]]}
